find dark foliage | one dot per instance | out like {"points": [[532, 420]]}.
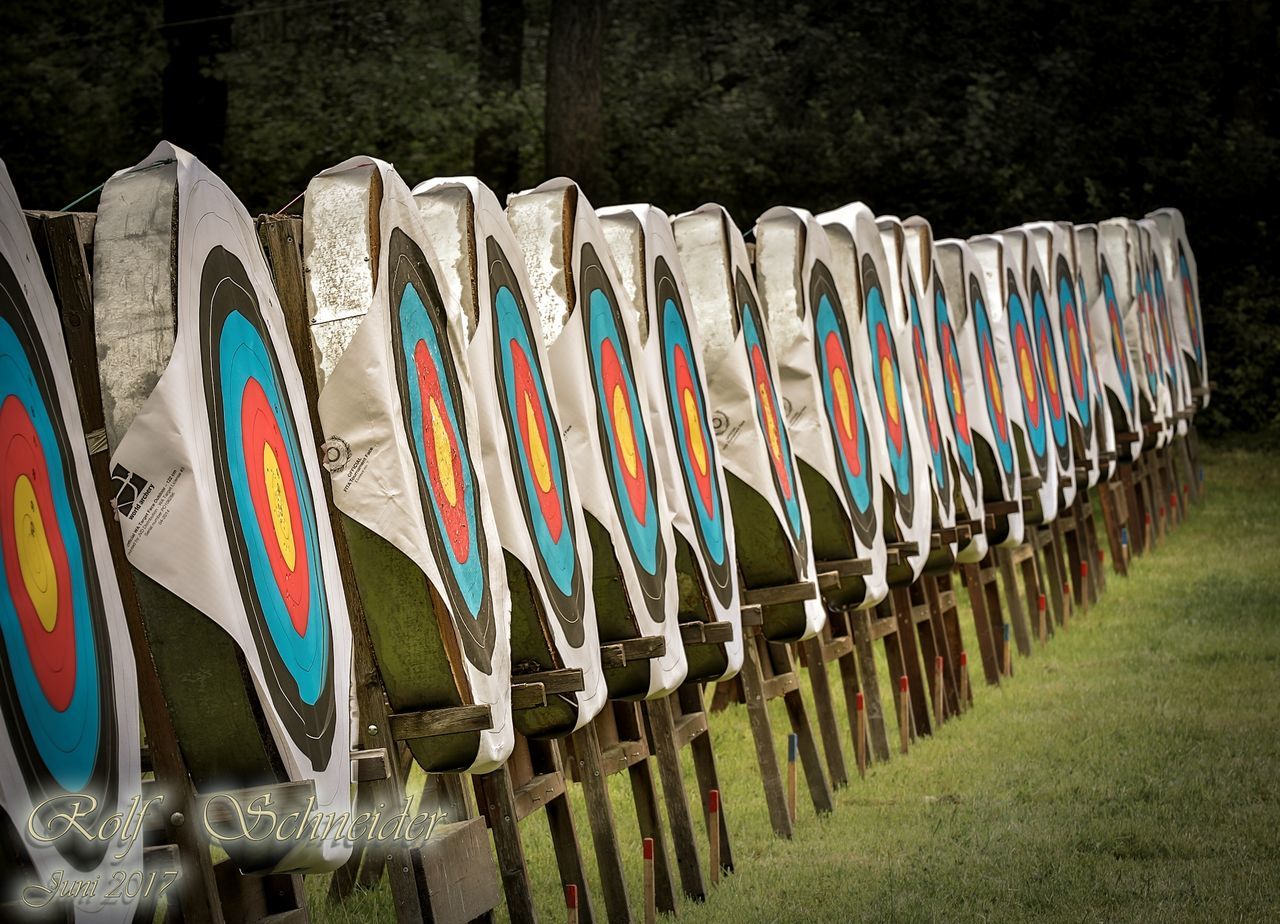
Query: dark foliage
{"points": [[976, 114]]}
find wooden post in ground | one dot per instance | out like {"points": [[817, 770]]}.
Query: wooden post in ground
{"points": [[793, 747], [904, 713], [966, 696], [713, 834], [860, 736]]}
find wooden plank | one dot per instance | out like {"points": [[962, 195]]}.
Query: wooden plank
{"points": [[780, 685], [622, 653], [762, 734], [828, 580], [528, 695], [537, 792], [370, 765], [752, 616], [1001, 508], [706, 633], [848, 567], [565, 680], [430, 723], [880, 627], [499, 806], [688, 727], [837, 648], [780, 593], [668, 738], [456, 869], [604, 833]]}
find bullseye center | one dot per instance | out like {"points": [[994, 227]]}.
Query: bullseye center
{"points": [[770, 424], [622, 427], [1028, 376], [444, 454], [35, 560], [694, 421], [537, 449], [890, 393], [840, 389], [282, 524]]}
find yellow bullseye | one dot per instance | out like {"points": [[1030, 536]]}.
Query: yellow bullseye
{"points": [[622, 427], [1028, 375], [444, 453], [770, 424], [537, 449], [696, 442], [890, 392], [840, 389], [279, 505], [35, 559]]}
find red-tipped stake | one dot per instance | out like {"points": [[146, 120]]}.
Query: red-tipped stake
{"points": [[793, 751], [860, 736], [904, 713], [964, 680], [650, 891], [938, 701], [1042, 614], [713, 834], [1008, 653], [571, 903]]}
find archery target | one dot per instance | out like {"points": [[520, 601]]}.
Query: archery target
{"points": [[991, 385], [1027, 369], [1046, 347], [1161, 302], [433, 417], [769, 415], [888, 383], [920, 355], [1072, 342], [537, 453], [691, 426], [1191, 305], [954, 386], [1115, 327], [627, 456], [841, 401], [57, 689], [266, 508]]}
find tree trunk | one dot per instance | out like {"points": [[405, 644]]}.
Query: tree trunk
{"points": [[497, 148], [195, 95], [574, 130]]}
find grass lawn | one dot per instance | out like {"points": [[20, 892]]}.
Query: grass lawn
{"points": [[1130, 771]]}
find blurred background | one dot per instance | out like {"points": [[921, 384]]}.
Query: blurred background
{"points": [[977, 115]]}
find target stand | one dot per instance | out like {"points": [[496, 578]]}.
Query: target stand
{"points": [[451, 876], [1115, 502], [982, 581], [209, 892]]}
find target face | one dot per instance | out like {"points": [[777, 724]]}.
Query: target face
{"points": [[537, 454], [769, 415], [56, 684], [1072, 343], [992, 386], [627, 455], [1048, 354], [1151, 360], [687, 405], [267, 506], [841, 401], [1028, 373], [1119, 350], [433, 415], [888, 379], [1190, 305], [954, 388], [920, 353], [1166, 334]]}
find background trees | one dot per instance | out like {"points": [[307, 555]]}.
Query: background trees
{"points": [[976, 114]]}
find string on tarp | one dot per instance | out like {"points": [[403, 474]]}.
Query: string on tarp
{"points": [[97, 189]]}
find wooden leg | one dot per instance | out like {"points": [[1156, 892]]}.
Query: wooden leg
{"points": [[819, 787], [762, 733], [704, 768], [662, 733], [604, 833], [987, 646], [1111, 504], [911, 660], [825, 711], [863, 644], [1017, 615], [645, 794], [497, 803], [941, 599]]}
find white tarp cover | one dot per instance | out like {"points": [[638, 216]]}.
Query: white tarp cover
{"points": [[1166, 295], [644, 251], [530, 481], [918, 373], [69, 709], [1188, 321], [813, 323], [1092, 305], [742, 378], [1046, 327], [1118, 370], [593, 346], [940, 340], [1002, 267], [976, 317], [877, 316], [400, 421], [224, 446]]}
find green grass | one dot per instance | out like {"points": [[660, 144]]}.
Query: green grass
{"points": [[1130, 771]]}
